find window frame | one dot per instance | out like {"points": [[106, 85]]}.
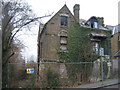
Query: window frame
{"points": [[118, 38], [63, 21]]}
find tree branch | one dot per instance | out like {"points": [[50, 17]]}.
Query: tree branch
{"points": [[31, 20]]}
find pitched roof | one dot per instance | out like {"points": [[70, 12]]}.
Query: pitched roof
{"points": [[65, 6]]}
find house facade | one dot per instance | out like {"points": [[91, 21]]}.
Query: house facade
{"points": [[54, 34]]}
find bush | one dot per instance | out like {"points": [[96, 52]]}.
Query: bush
{"points": [[52, 79]]}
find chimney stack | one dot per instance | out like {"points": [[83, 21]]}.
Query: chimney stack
{"points": [[76, 9], [101, 21]]}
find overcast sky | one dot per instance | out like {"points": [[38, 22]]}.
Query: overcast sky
{"points": [[100, 8]]}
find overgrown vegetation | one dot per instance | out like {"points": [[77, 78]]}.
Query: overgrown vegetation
{"points": [[16, 16], [79, 50], [79, 45], [52, 79]]}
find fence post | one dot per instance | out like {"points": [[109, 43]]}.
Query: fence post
{"points": [[102, 71]]}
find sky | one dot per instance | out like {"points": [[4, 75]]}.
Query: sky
{"points": [[100, 8]]}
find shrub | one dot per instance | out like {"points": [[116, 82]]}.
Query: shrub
{"points": [[52, 79]]}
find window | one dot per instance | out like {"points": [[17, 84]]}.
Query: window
{"points": [[95, 25], [63, 40], [101, 52], [63, 47], [118, 38], [63, 43], [64, 21], [96, 47]]}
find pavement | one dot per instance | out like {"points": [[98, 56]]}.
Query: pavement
{"points": [[100, 84]]}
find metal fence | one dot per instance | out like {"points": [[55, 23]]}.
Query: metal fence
{"points": [[59, 75]]}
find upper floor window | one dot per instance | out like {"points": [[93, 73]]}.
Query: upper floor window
{"points": [[64, 21], [95, 25], [63, 40], [96, 47]]}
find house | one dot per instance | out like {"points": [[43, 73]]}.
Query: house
{"points": [[53, 36], [115, 41]]}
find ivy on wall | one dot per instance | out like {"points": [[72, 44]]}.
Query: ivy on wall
{"points": [[79, 44]]}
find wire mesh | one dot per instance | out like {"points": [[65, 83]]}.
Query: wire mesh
{"points": [[58, 75]]}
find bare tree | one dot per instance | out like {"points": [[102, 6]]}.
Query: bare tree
{"points": [[16, 15]]}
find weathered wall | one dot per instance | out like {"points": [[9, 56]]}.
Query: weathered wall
{"points": [[115, 44]]}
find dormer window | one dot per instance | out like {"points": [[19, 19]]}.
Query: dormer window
{"points": [[95, 25], [64, 21]]}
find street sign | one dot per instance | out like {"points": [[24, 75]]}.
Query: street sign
{"points": [[30, 70], [109, 64]]}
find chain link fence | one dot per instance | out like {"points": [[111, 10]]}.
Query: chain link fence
{"points": [[60, 75]]}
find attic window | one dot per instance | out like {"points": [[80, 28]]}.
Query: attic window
{"points": [[95, 25], [64, 21]]}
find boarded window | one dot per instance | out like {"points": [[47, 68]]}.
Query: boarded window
{"points": [[63, 40]]}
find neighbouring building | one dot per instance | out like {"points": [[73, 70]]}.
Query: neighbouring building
{"points": [[115, 41], [53, 36]]}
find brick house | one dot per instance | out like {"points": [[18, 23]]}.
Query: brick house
{"points": [[53, 36], [115, 41]]}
